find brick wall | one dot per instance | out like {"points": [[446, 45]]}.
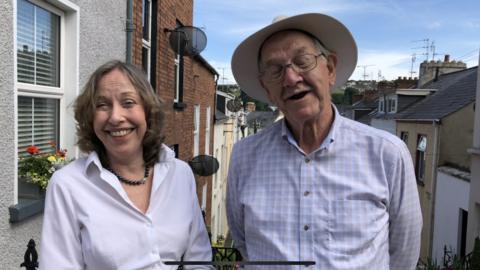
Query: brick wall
{"points": [[198, 84]]}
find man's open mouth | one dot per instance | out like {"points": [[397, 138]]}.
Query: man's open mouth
{"points": [[299, 95]]}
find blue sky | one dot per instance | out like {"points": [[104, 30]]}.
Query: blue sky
{"points": [[387, 32]]}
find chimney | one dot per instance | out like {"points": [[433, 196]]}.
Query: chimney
{"points": [[431, 71]]}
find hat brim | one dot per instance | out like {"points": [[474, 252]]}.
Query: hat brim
{"points": [[332, 33]]}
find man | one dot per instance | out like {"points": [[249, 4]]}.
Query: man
{"points": [[317, 186]]}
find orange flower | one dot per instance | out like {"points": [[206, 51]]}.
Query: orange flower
{"points": [[33, 150]]}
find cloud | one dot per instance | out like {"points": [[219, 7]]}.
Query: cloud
{"points": [[472, 24], [434, 25], [390, 64]]}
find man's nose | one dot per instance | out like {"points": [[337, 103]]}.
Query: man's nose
{"points": [[290, 76]]}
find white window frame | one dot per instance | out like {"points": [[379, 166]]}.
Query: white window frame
{"points": [[196, 130], [392, 105], [68, 88], [177, 78], [147, 44], [204, 197], [381, 105], [207, 130], [421, 157]]}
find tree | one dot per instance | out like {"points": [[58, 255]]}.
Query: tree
{"points": [[348, 95], [475, 259], [259, 106], [337, 98]]}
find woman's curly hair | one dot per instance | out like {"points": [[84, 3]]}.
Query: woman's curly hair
{"points": [[85, 106]]}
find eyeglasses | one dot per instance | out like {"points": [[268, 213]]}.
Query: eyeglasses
{"points": [[300, 64]]}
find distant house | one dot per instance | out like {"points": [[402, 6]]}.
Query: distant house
{"points": [[226, 133], [378, 103], [362, 109], [438, 130], [391, 103]]}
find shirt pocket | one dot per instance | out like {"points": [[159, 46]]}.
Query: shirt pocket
{"points": [[353, 226]]}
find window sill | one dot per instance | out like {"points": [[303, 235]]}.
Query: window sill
{"points": [[179, 106], [26, 208]]}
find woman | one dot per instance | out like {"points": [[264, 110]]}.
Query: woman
{"points": [[129, 204]]}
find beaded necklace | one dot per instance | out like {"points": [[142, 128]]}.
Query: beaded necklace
{"points": [[131, 182]]}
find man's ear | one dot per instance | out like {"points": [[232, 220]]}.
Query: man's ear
{"points": [[332, 68]]}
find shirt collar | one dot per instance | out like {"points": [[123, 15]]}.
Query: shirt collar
{"points": [[166, 154], [287, 134]]}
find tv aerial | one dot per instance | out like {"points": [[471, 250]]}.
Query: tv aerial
{"points": [[187, 40], [204, 165], [234, 105]]}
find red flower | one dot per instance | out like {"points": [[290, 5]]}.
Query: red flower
{"points": [[62, 153], [33, 150]]}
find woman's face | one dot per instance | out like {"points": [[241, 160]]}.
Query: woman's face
{"points": [[119, 120]]}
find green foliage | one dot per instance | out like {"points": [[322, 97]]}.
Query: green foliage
{"points": [[259, 106], [475, 259], [348, 95], [344, 98], [337, 98], [432, 265], [38, 167]]}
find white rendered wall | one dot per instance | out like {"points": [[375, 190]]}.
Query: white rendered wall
{"points": [[451, 196]]}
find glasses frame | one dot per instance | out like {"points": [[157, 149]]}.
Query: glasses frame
{"points": [[293, 66]]}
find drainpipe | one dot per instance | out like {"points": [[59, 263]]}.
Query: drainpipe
{"points": [[215, 97], [129, 30], [435, 159]]}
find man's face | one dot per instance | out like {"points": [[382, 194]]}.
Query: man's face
{"points": [[300, 96]]}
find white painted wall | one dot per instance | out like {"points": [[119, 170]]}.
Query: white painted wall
{"points": [[101, 36], [451, 196], [387, 125]]}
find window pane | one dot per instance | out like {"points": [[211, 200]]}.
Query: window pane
{"points": [[145, 60], [37, 123], [146, 19], [25, 42], [38, 45]]}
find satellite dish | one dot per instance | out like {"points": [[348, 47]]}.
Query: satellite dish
{"points": [[234, 105], [204, 165], [188, 40]]}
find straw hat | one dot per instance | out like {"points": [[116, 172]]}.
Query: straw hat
{"points": [[331, 33]]}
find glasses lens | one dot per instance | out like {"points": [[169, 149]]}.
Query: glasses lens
{"points": [[304, 62], [300, 63]]}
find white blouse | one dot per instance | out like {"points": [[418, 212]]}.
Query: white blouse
{"points": [[90, 223]]}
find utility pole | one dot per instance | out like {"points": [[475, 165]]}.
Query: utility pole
{"points": [[432, 49], [223, 76], [414, 57], [365, 75]]}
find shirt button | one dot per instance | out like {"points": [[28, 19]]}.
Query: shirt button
{"points": [[307, 160], [306, 193], [306, 227]]}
